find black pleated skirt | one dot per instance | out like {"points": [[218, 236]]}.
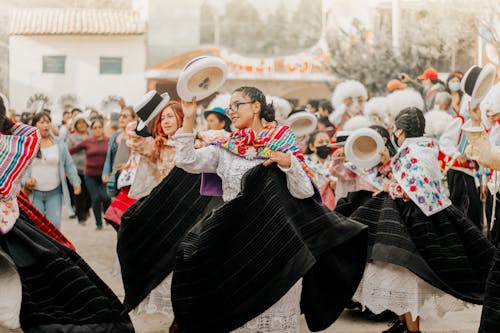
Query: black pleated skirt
{"points": [[490, 318], [60, 292], [446, 249]]}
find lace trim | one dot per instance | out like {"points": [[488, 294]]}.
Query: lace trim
{"points": [[390, 287], [158, 301], [282, 317]]}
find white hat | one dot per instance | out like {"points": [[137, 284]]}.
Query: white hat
{"points": [[363, 148], [477, 82], [491, 103], [281, 106], [349, 88], [302, 123], [220, 101], [400, 100], [356, 122], [5, 102], [376, 111], [150, 106], [436, 122], [201, 77], [79, 117]]}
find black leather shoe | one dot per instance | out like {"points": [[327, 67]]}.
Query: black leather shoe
{"points": [[397, 327]]}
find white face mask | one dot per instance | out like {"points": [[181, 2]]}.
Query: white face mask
{"points": [[454, 86]]}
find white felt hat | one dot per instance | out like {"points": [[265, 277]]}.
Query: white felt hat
{"points": [[477, 82], [201, 77]]}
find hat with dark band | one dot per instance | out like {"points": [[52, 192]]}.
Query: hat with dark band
{"points": [[201, 77], [477, 82], [150, 106]]}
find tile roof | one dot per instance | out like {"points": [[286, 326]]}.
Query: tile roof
{"points": [[77, 21]]}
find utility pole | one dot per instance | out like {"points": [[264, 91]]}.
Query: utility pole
{"points": [[396, 21]]}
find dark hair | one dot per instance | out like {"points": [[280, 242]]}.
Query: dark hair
{"points": [[26, 117], [5, 123], [266, 110], [75, 110], [385, 134], [312, 138], [313, 102], [327, 105], [39, 116], [130, 109], [325, 121], [221, 117], [412, 121], [97, 120], [456, 74]]}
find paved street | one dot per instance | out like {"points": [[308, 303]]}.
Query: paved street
{"points": [[98, 249]]}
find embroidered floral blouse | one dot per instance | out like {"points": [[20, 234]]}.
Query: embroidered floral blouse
{"points": [[416, 170]]}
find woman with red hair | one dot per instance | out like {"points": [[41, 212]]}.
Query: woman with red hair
{"points": [[150, 161], [156, 161]]}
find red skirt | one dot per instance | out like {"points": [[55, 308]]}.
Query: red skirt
{"points": [[115, 211]]}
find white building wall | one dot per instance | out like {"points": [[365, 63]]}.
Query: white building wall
{"points": [[82, 75]]}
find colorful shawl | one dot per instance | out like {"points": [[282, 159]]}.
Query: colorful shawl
{"points": [[16, 152], [416, 169], [250, 145]]}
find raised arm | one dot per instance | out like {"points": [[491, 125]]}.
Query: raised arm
{"points": [[186, 157]]}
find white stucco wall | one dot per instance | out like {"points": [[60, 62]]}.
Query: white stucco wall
{"points": [[82, 75]]}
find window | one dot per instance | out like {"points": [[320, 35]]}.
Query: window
{"points": [[54, 64], [110, 65]]}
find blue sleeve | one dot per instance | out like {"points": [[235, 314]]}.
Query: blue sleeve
{"points": [[106, 170], [69, 165]]}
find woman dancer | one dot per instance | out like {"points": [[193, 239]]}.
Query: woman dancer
{"points": [[426, 257], [45, 286], [246, 148]]}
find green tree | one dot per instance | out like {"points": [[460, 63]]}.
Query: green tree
{"points": [[430, 36], [241, 27], [305, 28], [207, 24]]}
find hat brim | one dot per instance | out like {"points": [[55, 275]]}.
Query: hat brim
{"points": [[483, 84], [142, 124], [206, 113], [356, 156], [302, 123], [201, 77]]}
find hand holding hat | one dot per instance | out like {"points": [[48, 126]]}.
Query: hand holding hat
{"points": [[147, 110], [201, 77]]}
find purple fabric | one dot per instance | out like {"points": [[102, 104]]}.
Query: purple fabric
{"points": [[211, 185]]}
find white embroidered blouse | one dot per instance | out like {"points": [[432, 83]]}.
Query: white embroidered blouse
{"points": [[231, 168]]}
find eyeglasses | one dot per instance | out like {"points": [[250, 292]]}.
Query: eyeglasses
{"points": [[235, 106], [124, 115]]}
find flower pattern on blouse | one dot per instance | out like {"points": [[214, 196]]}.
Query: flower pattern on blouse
{"points": [[416, 169]]}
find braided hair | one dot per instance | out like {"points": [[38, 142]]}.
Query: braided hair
{"points": [[5, 123], [267, 111], [411, 120]]}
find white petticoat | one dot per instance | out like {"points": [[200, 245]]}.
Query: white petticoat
{"points": [[282, 317], [391, 287], [158, 301]]}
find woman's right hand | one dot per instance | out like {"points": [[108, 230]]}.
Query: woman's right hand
{"points": [[475, 115], [189, 108], [189, 111], [30, 183]]}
